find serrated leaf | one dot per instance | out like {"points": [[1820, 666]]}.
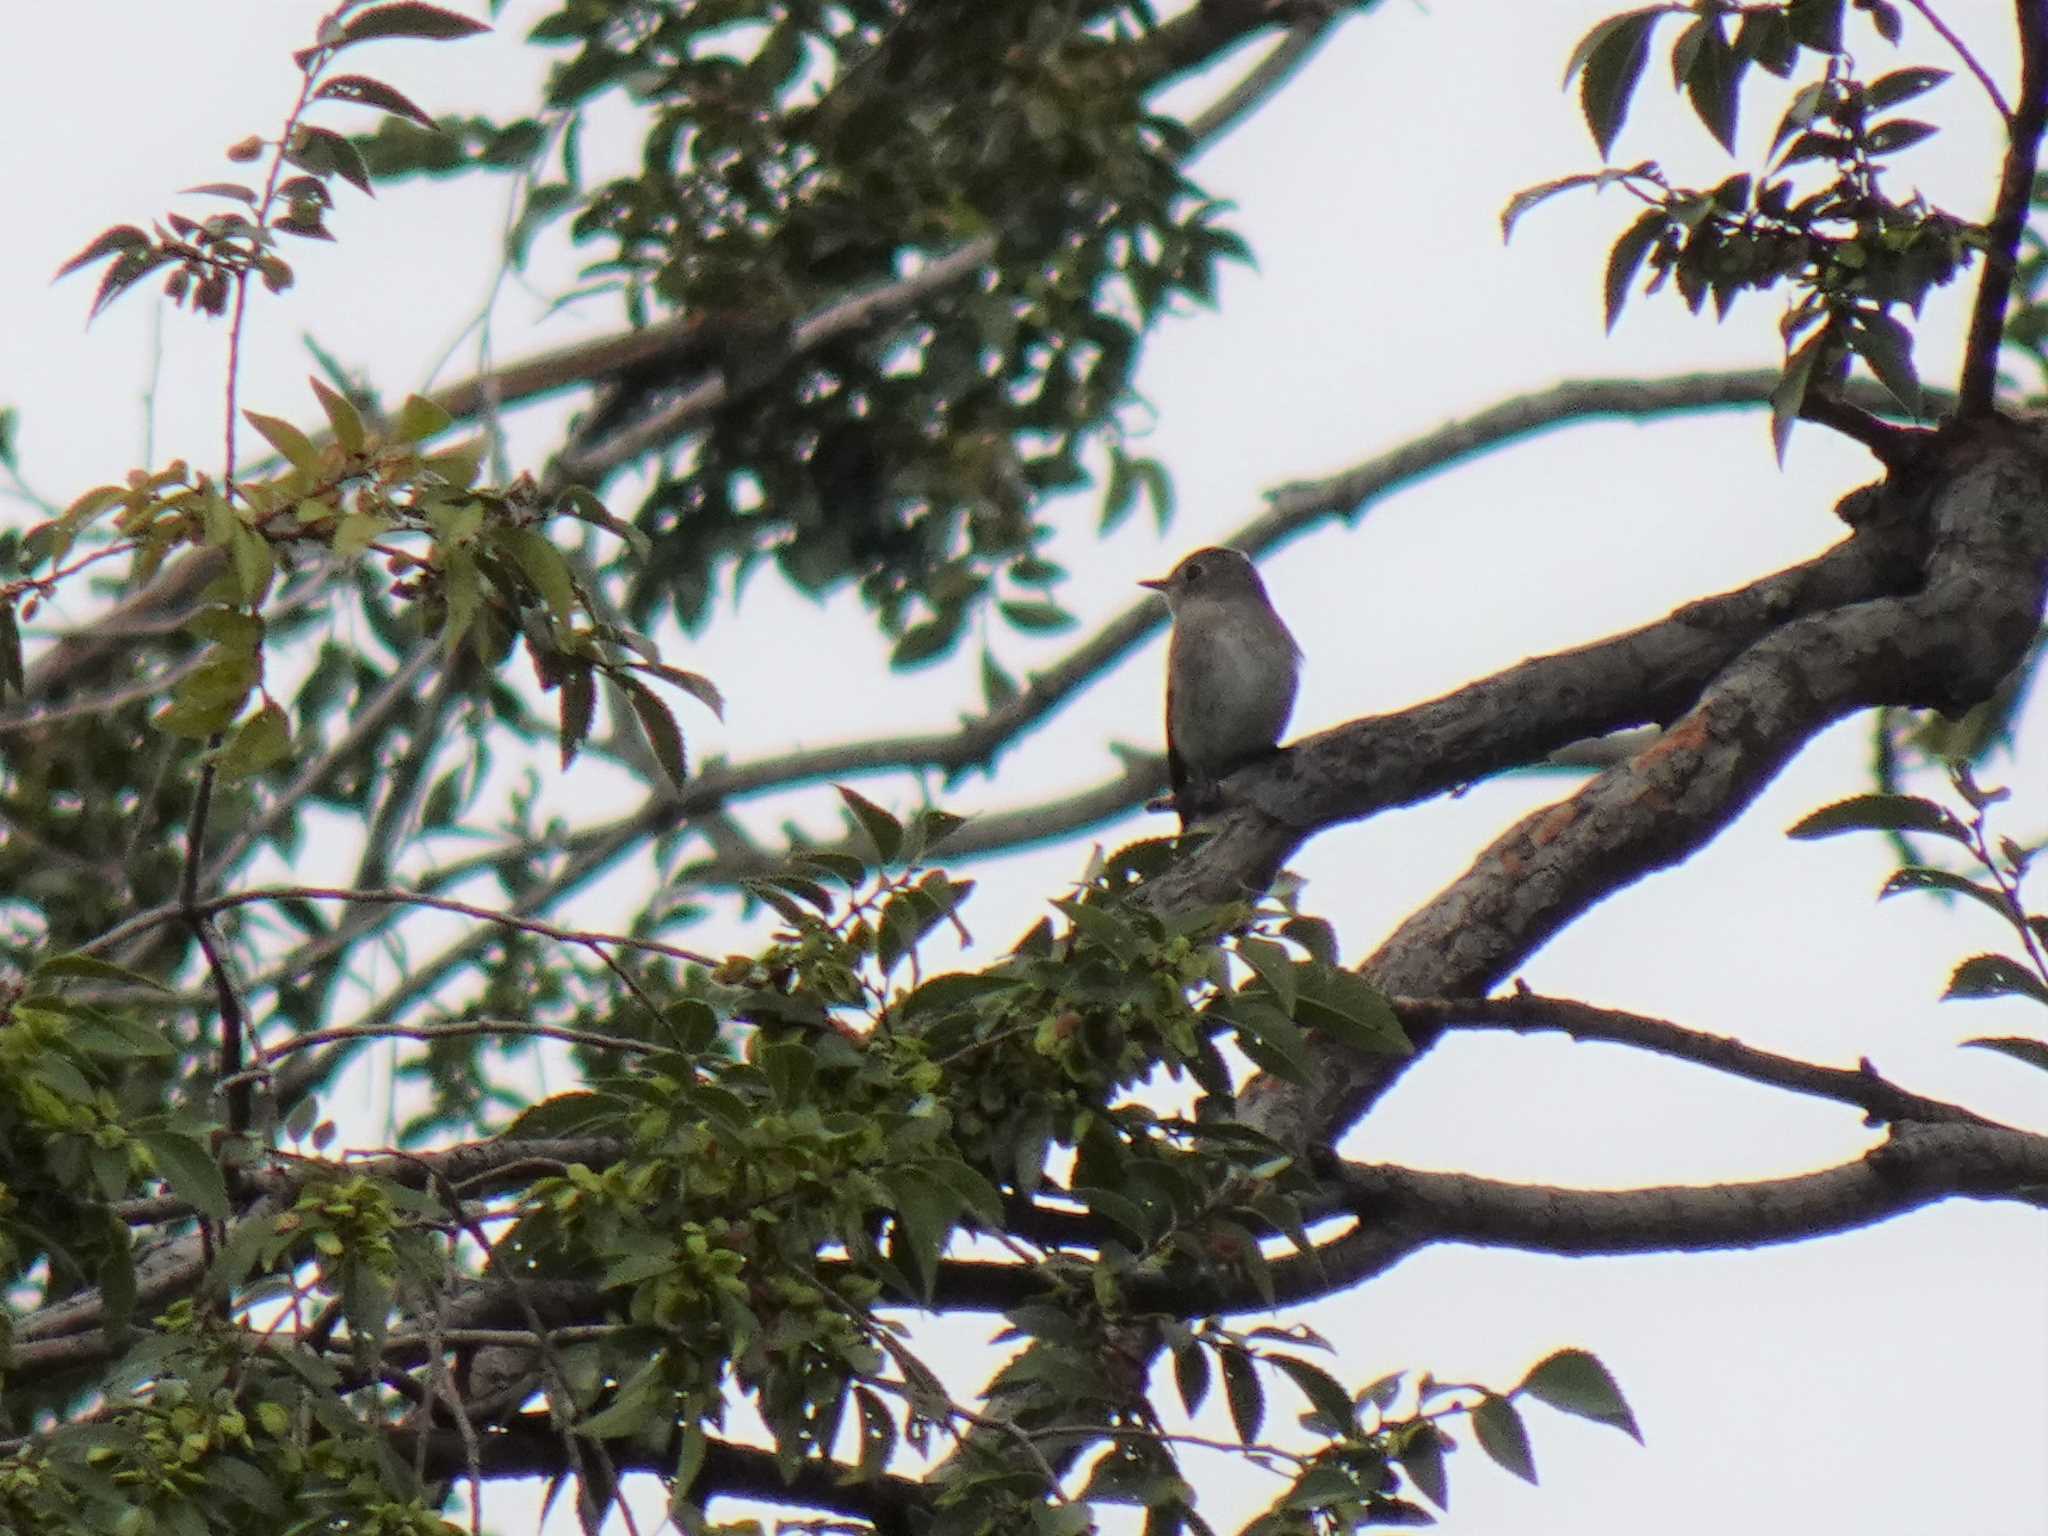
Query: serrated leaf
{"points": [[1529, 197], [364, 91], [1241, 1389], [1626, 259], [406, 18], [1422, 1457], [1501, 1434], [259, 742], [695, 684], [578, 705], [1880, 813], [1712, 80], [122, 238], [1994, 976], [1574, 1381], [663, 734], [2033, 1052], [883, 830], [190, 1170], [1610, 66]]}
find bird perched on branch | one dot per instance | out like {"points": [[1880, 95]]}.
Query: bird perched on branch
{"points": [[1231, 673]]}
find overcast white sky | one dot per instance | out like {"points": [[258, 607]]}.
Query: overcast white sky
{"points": [[1894, 1381]]}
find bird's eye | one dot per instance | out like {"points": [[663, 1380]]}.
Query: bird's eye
{"points": [[1194, 570]]}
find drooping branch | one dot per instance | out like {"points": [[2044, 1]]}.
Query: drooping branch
{"points": [[1526, 1013]]}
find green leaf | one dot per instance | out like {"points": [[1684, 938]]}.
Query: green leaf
{"points": [[545, 567], [2033, 1052], [1880, 813], [1898, 133], [1274, 966], [1788, 395], [1915, 877], [1191, 1374], [659, 723], [1609, 63], [406, 18], [1350, 1009], [883, 830], [1626, 259], [695, 684], [924, 642], [1994, 976], [1575, 1381], [364, 91], [1887, 346], [644, 1396], [1037, 617], [1324, 1392], [287, 439], [1900, 85], [91, 968], [1422, 1457], [1712, 77], [259, 742], [579, 704], [1241, 1389], [12, 679], [1817, 24], [419, 419], [190, 1170], [1500, 1432], [342, 417], [998, 688]]}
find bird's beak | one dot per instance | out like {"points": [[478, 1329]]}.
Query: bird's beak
{"points": [[1158, 583]]}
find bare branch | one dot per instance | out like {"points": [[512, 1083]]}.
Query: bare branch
{"points": [[1262, 82], [1527, 1013], [2024, 129], [1963, 52]]}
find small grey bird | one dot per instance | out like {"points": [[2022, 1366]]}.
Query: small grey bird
{"points": [[1231, 672]]}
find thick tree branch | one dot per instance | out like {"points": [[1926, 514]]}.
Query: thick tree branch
{"points": [[1918, 1165], [1778, 661], [2024, 128], [530, 1447]]}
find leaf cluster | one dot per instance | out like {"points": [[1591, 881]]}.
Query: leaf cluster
{"points": [[1815, 223], [794, 155]]}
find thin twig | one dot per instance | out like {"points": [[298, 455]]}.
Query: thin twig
{"points": [[583, 937], [1962, 52], [466, 1029], [1862, 1087]]}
